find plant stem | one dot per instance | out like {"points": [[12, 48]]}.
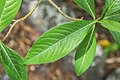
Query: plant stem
{"points": [[51, 2], [21, 19]]}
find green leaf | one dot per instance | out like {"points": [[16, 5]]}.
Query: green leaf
{"points": [[116, 36], [111, 25], [12, 63], [87, 5], [58, 42], [85, 53], [8, 10], [114, 28], [112, 10]]}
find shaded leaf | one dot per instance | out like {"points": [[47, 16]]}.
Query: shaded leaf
{"points": [[58, 42], [8, 10], [85, 53], [87, 5], [12, 63]]}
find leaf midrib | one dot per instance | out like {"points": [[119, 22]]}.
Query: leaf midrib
{"points": [[59, 41], [2, 11], [110, 6], [10, 60], [90, 9], [117, 29], [111, 16], [86, 50]]}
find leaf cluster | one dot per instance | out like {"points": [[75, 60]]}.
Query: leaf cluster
{"points": [[60, 40]]}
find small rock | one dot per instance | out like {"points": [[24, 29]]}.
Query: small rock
{"points": [[115, 75]]}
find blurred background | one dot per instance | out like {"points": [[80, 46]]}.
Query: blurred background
{"points": [[106, 64]]}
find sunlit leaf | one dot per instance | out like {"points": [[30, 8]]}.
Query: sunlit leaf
{"points": [[8, 10], [112, 10], [58, 42], [114, 28], [87, 5], [110, 25]]}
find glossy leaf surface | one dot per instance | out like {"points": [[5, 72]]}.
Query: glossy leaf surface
{"points": [[12, 63], [58, 42], [8, 10], [87, 5]]}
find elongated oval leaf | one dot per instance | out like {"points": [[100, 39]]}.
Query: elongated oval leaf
{"points": [[112, 10], [12, 63], [115, 16], [8, 10], [111, 25], [58, 42], [85, 53], [114, 28], [87, 5]]}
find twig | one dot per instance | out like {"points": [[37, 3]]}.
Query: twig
{"points": [[13, 20], [21, 19], [51, 2]]}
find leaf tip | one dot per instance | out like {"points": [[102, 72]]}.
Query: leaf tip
{"points": [[78, 73]]}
